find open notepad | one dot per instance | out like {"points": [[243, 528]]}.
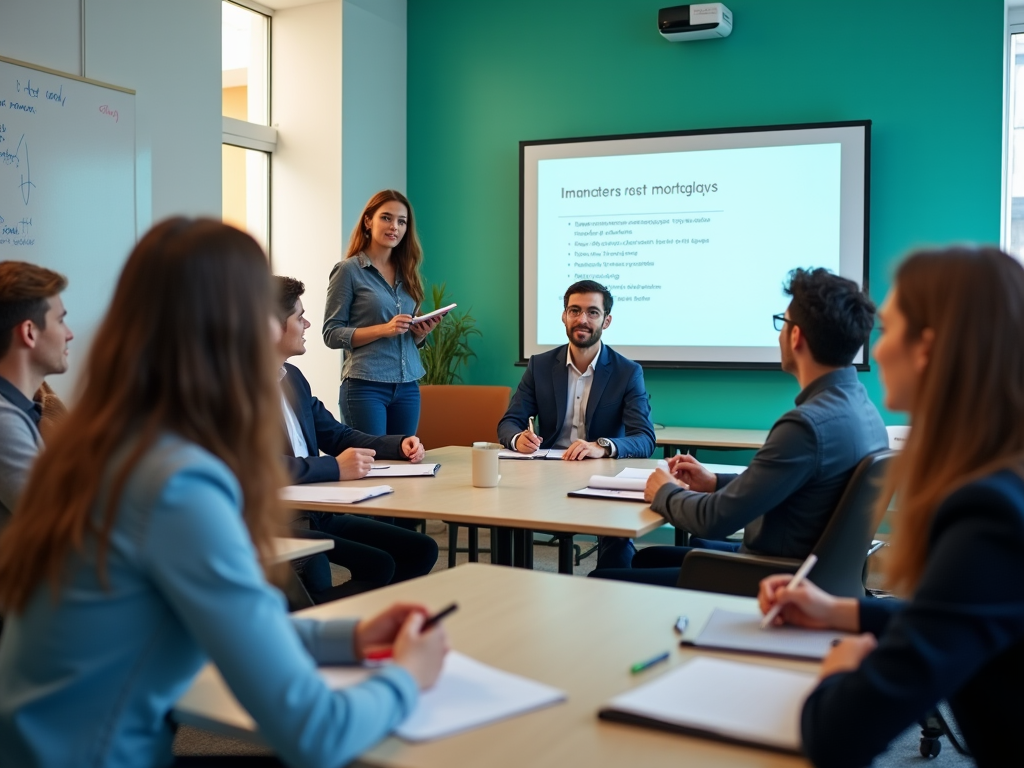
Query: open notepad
{"points": [[544, 453], [627, 485], [731, 631], [403, 470], [467, 695], [332, 494], [725, 700]]}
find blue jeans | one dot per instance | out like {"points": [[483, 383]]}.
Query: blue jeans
{"points": [[660, 565], [380, 408]]}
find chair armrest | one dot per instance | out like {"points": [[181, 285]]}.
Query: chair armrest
{"points": [[730, 573]]}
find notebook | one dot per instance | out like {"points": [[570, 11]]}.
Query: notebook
{"points": [[545, 453], [403, 470], [729, 631], [723, 700], [467, 695], [618, 487], [332, 494]]}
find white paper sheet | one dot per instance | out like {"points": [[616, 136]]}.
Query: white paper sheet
{"points": [[737, 701], [404, 470], [609, 493], [618, 483], [645, 472], [332, 494], [546, 453], [742, 632], [467, 695]]}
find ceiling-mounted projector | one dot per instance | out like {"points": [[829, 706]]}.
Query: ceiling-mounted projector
{"points": [[705, 21]]}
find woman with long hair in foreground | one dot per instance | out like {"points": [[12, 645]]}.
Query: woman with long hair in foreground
{"points": [[135, 554], [949, 355]]}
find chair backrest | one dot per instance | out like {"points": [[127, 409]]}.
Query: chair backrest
{"points": [[897, 437], [842, 548], [460, 414]]}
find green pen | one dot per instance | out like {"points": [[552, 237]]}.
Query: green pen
{"points": [[640, 666]]}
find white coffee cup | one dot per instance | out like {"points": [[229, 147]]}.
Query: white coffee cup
{"points": [[485, 464]]}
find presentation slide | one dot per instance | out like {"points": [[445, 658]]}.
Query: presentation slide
{"points": [[694, 244]]}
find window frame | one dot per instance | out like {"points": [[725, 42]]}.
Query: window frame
{"points": [[1014, 26], [255, 136]]}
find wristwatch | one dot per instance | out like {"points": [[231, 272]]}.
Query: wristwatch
{"points": [[607, 444]]}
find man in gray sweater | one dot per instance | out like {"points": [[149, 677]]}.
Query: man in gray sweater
{"points": [[786, 496], [33, 344]]}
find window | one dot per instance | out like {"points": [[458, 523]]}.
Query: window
{"points": [[1013, 193], [248, 139]]}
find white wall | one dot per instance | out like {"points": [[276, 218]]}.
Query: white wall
{"points": [[43, 32], [338, 99], [373, 103], [306, 233], [169, 53]]}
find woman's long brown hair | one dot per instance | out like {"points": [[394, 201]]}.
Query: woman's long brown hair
{"points": [[407, 255], [185, 348], [967, 417]]}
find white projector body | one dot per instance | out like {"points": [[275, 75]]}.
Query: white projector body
{"points": [[704, 21]]}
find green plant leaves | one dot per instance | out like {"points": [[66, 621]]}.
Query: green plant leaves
{"points": [[447, 347]]}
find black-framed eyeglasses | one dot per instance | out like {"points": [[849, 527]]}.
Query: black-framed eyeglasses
{"points": [[592, 313], [780, 320]]}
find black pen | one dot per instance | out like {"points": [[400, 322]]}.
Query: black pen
{"points": [[385, 653], [438, 616]]}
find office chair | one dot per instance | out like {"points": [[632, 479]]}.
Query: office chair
{"points": [[461, 414], [842, 549]]}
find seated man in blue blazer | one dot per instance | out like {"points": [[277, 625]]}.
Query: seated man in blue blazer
{"points": [[375, 552], [785, 498], [590, 400]]}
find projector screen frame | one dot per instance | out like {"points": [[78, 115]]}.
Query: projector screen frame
{"points": [[861, 364]]}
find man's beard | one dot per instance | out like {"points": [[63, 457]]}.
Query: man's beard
{"points": [[595, 336]]}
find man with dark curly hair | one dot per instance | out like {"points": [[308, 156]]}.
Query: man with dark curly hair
{"points": [[785, 498]]}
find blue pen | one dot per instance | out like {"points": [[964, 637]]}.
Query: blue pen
{"points": [[640, 666]]}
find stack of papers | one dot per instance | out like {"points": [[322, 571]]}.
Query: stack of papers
{"points": [[332, 494], [718, 469], [618, 487], [725, 700], [467, 695], [404, 470], [730, 631], [545, 453]]}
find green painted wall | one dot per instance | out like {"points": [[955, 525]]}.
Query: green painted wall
{"points": [[483, 76]]}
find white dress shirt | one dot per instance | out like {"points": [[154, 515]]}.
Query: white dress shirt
{"points": [[291, 422], [574, 424]]}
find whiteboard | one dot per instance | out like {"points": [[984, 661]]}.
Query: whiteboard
{"points": [[67, 188]]}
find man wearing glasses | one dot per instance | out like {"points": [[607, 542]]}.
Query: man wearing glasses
{"points": [[589, 399], [785, 498]]}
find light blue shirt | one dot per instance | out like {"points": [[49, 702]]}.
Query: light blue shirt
{"points": [[88, 678], [358, 296]]}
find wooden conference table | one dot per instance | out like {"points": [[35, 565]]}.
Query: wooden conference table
{"points": [[286, 549], [531, 496], [683, 438], [579, 635]]}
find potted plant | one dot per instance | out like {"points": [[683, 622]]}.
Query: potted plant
{"points": [[447, 348]]}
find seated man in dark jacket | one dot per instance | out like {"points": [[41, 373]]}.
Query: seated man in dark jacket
{"points": [[375, 552], [590, 401], [785, 498]]}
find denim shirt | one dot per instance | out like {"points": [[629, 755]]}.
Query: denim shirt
{"points": [[358, 296]]}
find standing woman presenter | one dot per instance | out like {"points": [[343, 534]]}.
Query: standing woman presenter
{"points": [[373, 295]]}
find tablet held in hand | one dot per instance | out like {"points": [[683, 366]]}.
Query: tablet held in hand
{"points": [[436, 313]]}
